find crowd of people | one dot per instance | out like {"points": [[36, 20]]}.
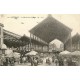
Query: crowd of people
{"points": [[5, 61], [37, 60], [12, 61]]}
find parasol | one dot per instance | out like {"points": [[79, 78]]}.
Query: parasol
{"points": [[4, 47], [65, 52], [77, 53], [32, 53]]}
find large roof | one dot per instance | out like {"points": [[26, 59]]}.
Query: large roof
{"points": [[50, 28], [11, 34], [12, 39]]}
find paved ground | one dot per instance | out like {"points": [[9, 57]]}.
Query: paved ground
{"points": [[29, 64]]}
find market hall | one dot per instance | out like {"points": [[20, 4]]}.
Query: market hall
{"points": [[40, 37]]}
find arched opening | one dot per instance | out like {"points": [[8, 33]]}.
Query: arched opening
{"points": [[56, 45]]}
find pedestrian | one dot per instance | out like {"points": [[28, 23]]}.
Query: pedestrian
{"points": [[48, 61], [35, 62], [69, 61], [53, 59], [65, 62], [7, 61], [31, 61], [4, 60], [61, 62], [11, 60], [24, 60], [1, 61], [56, 62]]}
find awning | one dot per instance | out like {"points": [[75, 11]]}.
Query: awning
{"points": [[32, 53]]}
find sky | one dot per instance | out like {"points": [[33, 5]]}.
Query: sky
{"points": [[22, 23]]}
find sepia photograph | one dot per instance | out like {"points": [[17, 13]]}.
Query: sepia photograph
{"points": [[39, 39]]}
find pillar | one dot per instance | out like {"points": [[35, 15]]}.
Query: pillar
{"points": [[1, 35], [30, 41]]}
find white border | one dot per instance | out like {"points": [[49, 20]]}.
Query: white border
{"points": [[39, 7]]}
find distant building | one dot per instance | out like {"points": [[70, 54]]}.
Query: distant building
{"points": [[76, 42]]}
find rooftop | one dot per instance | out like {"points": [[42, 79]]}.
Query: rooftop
{"points": [[50, 28]]}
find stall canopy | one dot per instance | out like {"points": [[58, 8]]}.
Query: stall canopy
{"points": [[32, 53], [65, 52], [4, 46], [76, 53], [50, 28]]}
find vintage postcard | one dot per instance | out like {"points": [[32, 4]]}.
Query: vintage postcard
{"points": [[39, 39]]}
